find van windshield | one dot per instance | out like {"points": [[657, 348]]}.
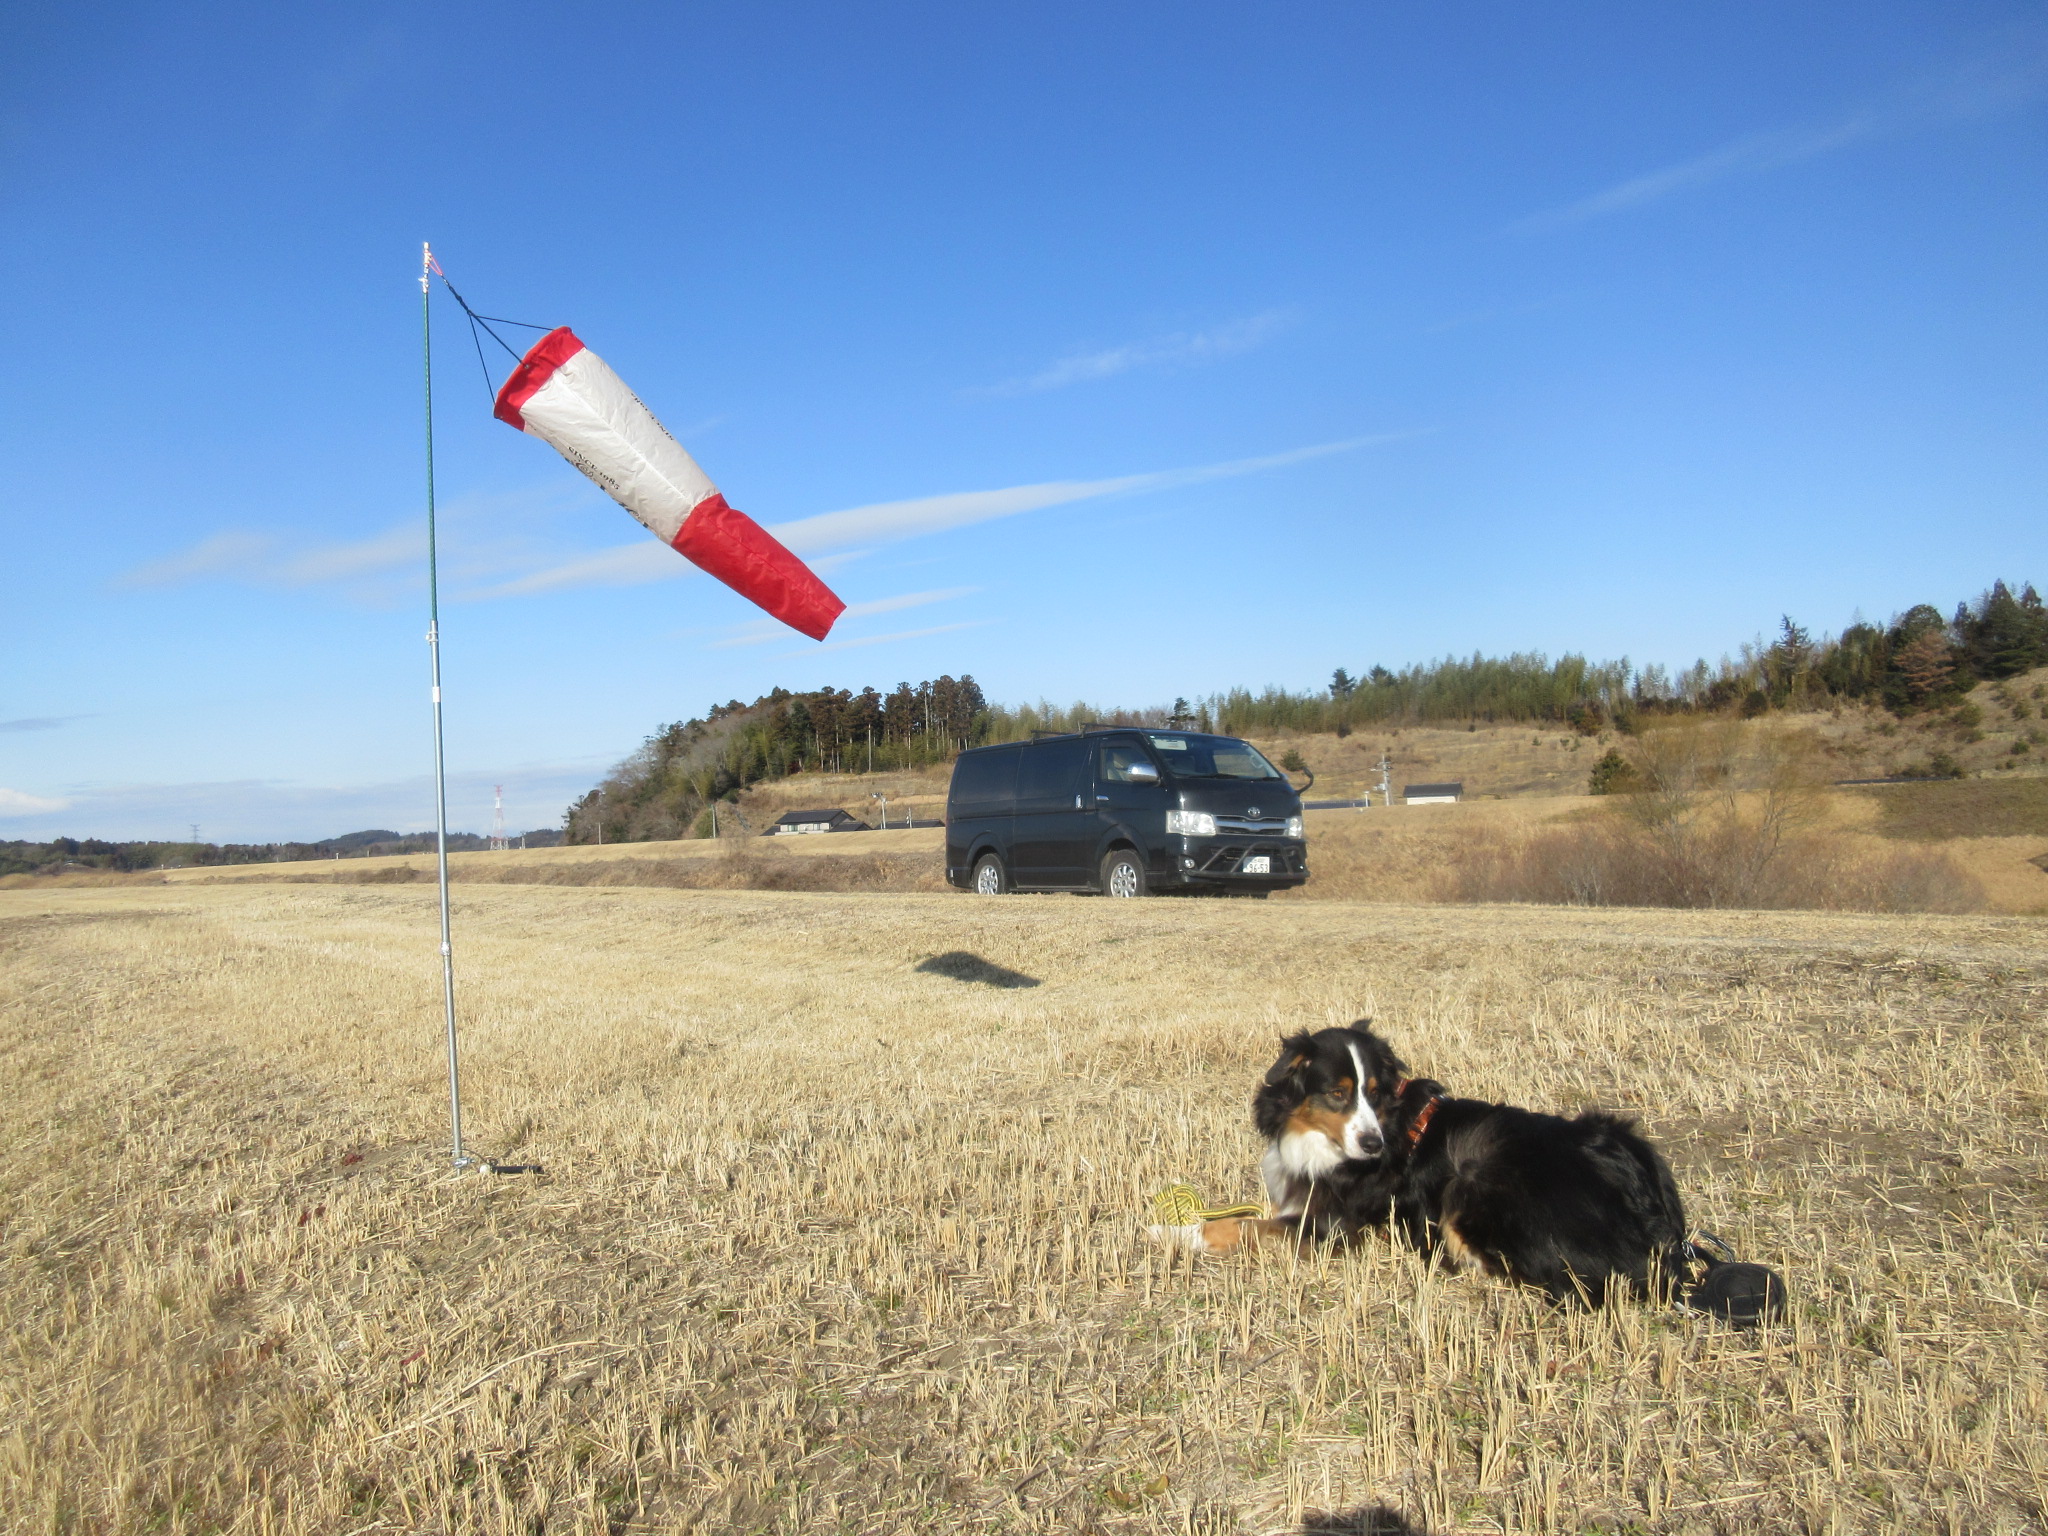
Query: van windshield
{"points": [[1212, 757]]}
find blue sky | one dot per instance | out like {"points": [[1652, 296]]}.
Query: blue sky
{"points": [[1102, 352]]}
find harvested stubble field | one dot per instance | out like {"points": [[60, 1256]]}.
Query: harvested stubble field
{"points": [[839, 1228]]}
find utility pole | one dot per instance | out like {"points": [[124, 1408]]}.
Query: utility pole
{"points": [[1386, 787]]}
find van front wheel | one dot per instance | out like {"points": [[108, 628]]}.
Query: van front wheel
{"points": [[1122, 874], [989, 879]]}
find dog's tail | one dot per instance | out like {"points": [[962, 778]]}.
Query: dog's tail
{"points": [[1742, 1295]]}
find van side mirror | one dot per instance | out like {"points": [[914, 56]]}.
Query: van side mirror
{"points": [[1142, 773]]}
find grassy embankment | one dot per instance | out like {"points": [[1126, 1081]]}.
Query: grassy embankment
{"points": [[839, 1229], [1984, 841]]}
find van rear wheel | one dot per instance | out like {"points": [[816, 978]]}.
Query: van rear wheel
{"points": [[1122, 874], [989, 878]]}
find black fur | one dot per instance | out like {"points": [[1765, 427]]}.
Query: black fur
{"points": [[1582, 1208]]}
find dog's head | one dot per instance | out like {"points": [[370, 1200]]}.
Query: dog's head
{"points": [[1326, 1085]]}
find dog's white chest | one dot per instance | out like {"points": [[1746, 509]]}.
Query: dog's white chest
{"points": [[1306, 1154]]}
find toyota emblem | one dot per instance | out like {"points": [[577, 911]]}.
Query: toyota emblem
{"points": [[1253, 811]]}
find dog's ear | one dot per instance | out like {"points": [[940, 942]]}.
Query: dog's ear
{"points": [[1295, 1051]]}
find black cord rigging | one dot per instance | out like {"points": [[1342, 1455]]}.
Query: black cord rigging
{"points": [[477, 321]]}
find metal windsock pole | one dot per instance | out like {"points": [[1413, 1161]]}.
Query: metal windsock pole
{"points": [[462, 1160]]}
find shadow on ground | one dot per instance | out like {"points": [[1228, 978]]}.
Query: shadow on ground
{"points": [[1366, 1520], [959, 965]]}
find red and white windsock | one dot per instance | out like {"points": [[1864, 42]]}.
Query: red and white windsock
{"points": [[563, 393]]}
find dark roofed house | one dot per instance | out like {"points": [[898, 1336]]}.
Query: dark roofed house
{"points": [[1432, 794], [792, 823]]}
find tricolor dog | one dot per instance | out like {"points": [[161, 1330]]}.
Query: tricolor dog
{"points": [[1584, 1208]]}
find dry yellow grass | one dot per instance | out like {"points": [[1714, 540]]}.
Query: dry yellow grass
{"points": [[839, 1229]]}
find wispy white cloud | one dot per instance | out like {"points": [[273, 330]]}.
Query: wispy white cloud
{"points": [[1181, 349], [259, 558], [1750, 153], [891, 521], [405, 545], [905, 600], [769, 630], [37, 723], [697, 429], [506, 562], [902, 634], [14, 802], [628, 565], [221, 554], [2001, 80], [483, 535], [835, 535]]}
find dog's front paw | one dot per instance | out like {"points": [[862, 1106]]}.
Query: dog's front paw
{"points": [[1186, 1239]]}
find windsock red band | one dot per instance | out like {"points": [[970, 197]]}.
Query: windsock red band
{"points": [[741, 553], [534, 370]]}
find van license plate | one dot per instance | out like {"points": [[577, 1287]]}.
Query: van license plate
{"points": [[1258, 864]]}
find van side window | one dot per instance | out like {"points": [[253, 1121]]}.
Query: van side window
{"points": [[1050, 773], [1117, 761], [983, 782]]}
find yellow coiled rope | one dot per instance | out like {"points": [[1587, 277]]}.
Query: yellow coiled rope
{"points": [[1180, 1205]]}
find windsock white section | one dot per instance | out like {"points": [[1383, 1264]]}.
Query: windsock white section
{"points": [[564, 394]]}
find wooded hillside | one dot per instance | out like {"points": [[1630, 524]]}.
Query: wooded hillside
{"points": [[1918, 661]]}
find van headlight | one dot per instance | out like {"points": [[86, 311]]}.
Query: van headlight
{"points": [[1294, 827], [1191, 823]]}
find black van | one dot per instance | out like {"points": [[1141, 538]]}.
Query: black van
{"points": [[1123, 811]]}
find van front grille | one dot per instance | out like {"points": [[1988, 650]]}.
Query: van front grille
{"points": [[1287, 859], [1248, 826]]}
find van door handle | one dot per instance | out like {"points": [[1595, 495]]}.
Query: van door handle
{"points": [[1103, 798]]}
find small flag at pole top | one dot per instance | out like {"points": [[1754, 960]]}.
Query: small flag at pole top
{"points": [[564, 394]]}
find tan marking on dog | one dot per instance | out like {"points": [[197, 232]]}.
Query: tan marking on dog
{"points": [[1461, 1254], [1314, 1115], [1243, 1234], [1222, 1236]]}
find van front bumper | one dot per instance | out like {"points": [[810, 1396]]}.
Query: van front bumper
{"points": [[1221, 861]]}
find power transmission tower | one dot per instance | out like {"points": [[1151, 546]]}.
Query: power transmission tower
{"points": [[499, 842]]}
